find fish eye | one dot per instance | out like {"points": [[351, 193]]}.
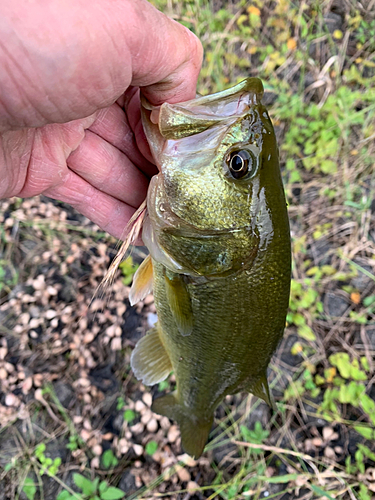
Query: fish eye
{"points": [[240, 163]]}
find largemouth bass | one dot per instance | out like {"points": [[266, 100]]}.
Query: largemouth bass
{"points": [[218, 235]]}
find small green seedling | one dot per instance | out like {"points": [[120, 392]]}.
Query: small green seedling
{"points": [[109, 460], [257, 435], [151, 447], [91, 490]]}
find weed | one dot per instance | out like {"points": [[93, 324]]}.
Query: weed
{"points": [[29, 488], [8, 277], [128, 269], [47, 465], [151, 447], [91, 490], [109, 460], [129, 416], [304, 307], [258, 435]]}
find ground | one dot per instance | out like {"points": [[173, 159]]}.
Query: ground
{"points": [[74, 419]]}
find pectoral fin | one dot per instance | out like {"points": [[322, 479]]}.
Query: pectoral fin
{"points": [[194, 430], [261, 390], [149, 360], [180, 303], [142, 281]]}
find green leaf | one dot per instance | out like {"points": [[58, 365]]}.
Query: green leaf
{"points": [[88, 487], [112, 494], [295, 176], [103, 486], [364, 493], [320, 492], [109, 459], [29, 488], [342, 362], [129, 416], [369, 300], [286, 478], [306, 333], [151, 447], [328, 166], [299, 319], [120, 403], [359, 460], [366, 451], [368, 406], [365, 364], [39, 452], [163, 385], [95, 483], [65, 495], [357, 374], [366, 432]]}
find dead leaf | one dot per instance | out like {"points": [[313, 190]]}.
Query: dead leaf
{"points": [[355, 297]]}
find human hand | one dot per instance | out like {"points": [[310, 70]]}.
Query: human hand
{"points": [[69, 99]]}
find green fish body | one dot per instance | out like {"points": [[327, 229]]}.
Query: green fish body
{"points": [[218, 234]]}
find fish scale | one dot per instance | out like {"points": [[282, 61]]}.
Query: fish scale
{"points": [[219, 264]]}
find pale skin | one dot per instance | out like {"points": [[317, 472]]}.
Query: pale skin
{"points": [[70, 73]]}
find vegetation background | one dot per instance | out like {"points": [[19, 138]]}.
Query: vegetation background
{"points": [[77, 425]]}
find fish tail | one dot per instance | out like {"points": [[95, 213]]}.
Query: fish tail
{"points": [[194, 430]]}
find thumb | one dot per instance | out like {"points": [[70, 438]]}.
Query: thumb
{"points": [[168, 64]]}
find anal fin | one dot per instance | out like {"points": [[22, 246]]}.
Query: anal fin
{"points": [[194, 430], [149, 360], [180, 303], [142, 281]]}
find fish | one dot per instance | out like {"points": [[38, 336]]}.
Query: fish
{"points": [[219, 264]]}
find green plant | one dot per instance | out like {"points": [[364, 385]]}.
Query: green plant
{"points": [[129, 416], [304, 307], [48, 466], [163, 385], [365, 32], [357, 467], [128, 269], [74, 442], [151, 447], [8, 276], [346, 385], [29, 488], [120, 403], [91, 490], [257, 435], [316, 133], [109, 460]]}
